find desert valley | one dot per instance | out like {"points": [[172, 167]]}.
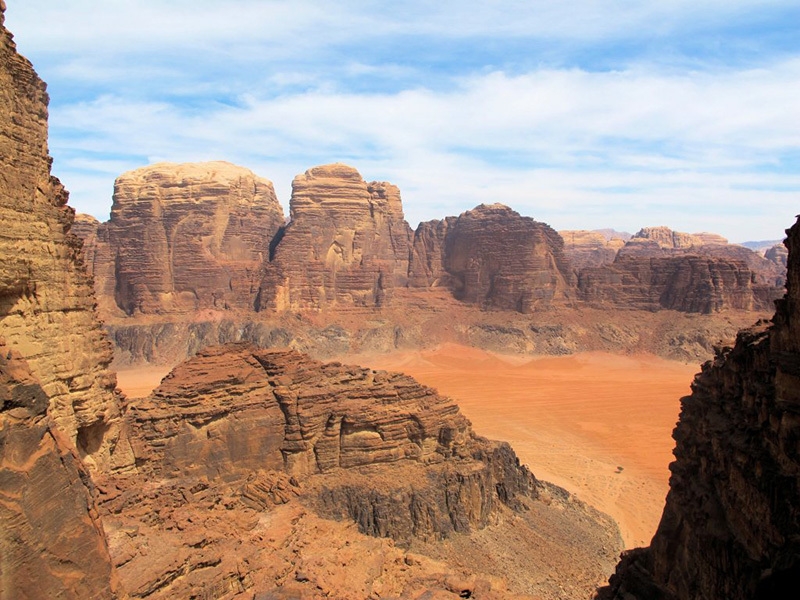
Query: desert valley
{"points": [[203, 397]]}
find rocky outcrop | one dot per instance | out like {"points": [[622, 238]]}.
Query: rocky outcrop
{"points": [[731, 523], [590, 248], [98, 258], [346, 244], [186, 237], [778, 255], [237, 436], [495, 258], [56, 397], [663, 269], [246, 409], [46, 301], [51, 540]]}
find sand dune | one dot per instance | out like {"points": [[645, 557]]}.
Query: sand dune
{"points": [[599, 425]]}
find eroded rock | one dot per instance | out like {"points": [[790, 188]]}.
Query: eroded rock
{"points": [[731, 523], [346, 244]]}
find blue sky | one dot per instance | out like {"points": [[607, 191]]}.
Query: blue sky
{"points": [[582, 114]]}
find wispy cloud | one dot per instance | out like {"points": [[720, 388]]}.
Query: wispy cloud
{"points": [[581, 114]]}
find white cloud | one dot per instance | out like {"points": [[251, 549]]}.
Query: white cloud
{"points": [[268, 85]]}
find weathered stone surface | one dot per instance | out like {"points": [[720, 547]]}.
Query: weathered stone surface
{"points": [[590, 248], [347, 244], [229, 412], [98, 258], [190, 236], [664, 269], [51, 541], [236, 440], [493, 257], [46, 302], [778, 255], [731, 523]]}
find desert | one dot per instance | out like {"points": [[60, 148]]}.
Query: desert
{"points": [[207, 396]]}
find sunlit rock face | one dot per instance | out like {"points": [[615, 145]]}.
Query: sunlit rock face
{"points": [[346, 244], [187, 237], [732, 517], [57, 399], [696, 273]]}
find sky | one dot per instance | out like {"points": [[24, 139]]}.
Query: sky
{"points": [[582, 114]]}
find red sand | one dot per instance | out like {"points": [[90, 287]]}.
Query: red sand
{"points": [[599, 425], [573, 420]]}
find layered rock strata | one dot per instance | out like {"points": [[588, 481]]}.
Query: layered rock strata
{"points": [[57, 400], [51, 540], [731, 524], [493, 257], [186, 237], [663, 269], [347, 244], [237, 436], [46, 301], [590, 248]]}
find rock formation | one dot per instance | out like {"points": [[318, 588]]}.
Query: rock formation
{"points": [[57, 399], [190, 236], [235, 432], [590, 248], [98, 258], [778, 255], [46, 301], [731, 524], [346, 244], [663, 269], [51, 540], [493, 257]]}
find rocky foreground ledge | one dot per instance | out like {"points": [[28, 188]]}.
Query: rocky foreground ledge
{"points": [[731, 524], [237, 441]]}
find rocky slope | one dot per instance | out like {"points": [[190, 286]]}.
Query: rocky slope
{"points": [[346, 244], [731, 523], [495, 258], [236, 431], [191, 236], [55, 402]]}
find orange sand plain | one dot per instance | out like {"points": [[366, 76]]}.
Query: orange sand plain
{"points": [[599, 425]]}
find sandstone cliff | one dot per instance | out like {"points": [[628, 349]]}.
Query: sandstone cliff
{"points": [[51, 540], [57, 399], [98, 258], [46, 301], [731, 523], [186, 237], [346, 244], [700, 273], [590, 248], [493, 257]]}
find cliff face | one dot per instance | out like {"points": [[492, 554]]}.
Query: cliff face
{"points": [[493, 257], [347, 244], [589, 248], [46, 301], [51, 541], [190, 236], [56, 395], [306, 416], [697, 273], [731, 523]]}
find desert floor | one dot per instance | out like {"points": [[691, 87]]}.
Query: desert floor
{"points": [[599, 425]]}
